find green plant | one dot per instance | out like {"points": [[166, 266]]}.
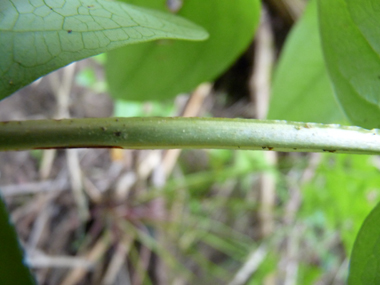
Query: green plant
{"points": [[37, 38]]}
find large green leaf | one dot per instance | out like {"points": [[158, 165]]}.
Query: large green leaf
{"points": [[365, 259], [162, 69], [301, 88], [37, 36], [351, 44]]}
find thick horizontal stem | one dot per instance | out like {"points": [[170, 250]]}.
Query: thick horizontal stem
{"points": [[195, 133]]}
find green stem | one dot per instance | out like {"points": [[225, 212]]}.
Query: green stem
{"points": [[167, 133]]}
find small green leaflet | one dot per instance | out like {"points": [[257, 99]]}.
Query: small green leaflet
{"points": [[365, 259], [13, 269], [40, 36]]}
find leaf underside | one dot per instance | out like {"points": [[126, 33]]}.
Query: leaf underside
{"points": [[39, 36]]}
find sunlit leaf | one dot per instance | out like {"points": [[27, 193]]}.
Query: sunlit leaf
{"points": [[162, 69], [365, 259], [37, 37], [301, 88], [351, 44]]}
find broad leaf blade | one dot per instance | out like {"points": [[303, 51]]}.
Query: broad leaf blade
{"points": [[301, 88], [159, 70], [38, 37], [365, 259], [350, 40]]}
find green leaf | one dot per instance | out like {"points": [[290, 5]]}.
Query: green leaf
{"points": [[12, 267], [163, 69], [39, 36], [301, 88], [365, 259], [351, 44]]}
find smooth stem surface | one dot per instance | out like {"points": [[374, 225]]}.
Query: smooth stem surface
{"points": [[195, 133]]}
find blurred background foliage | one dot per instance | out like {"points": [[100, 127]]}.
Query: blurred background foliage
{"points": [[193, 217]]}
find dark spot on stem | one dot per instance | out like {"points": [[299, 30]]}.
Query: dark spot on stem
{"points": [[118, 134], [267, 147], [69, 31], [103, 128], [238, 146]]}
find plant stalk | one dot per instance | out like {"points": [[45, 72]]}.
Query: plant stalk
{"points": [[187, 133]]}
